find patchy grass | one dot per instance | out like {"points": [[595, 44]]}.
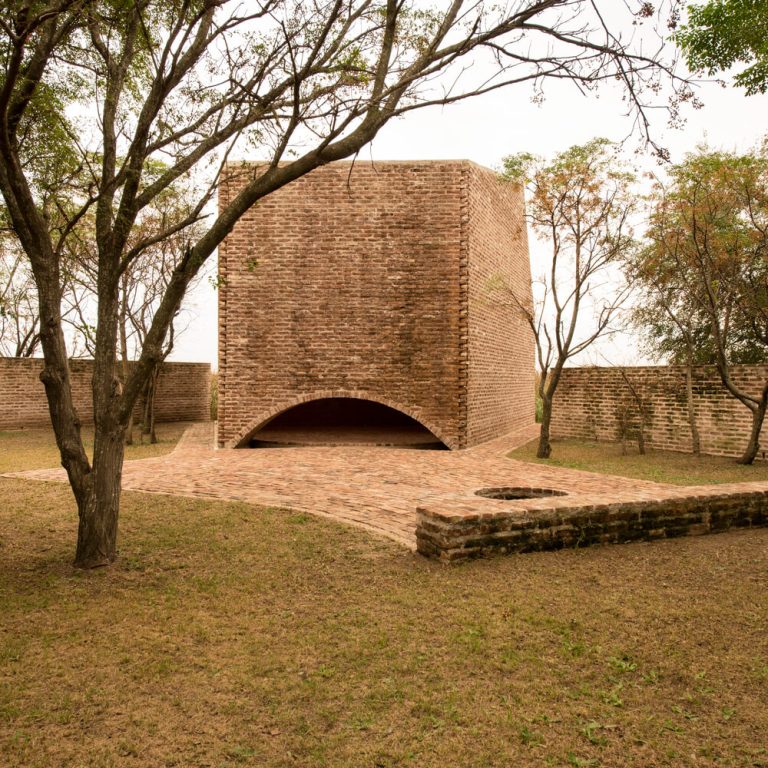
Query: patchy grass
{"points": [[659, 466], [35, 448], [231, 636]]}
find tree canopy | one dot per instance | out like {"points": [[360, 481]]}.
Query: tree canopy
{"points": [[704, 269], [105, 105], [581, 203], [721, 34]]}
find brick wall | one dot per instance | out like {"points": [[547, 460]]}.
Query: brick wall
{"points": [[352, 281], [501, 352], [590, 401], [183, 392]]}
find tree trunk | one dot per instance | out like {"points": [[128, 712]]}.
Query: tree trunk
{"points": [[758, 417], [695, 437], [641, 434], [544, 450], [145, 408], [124, 350], [151, 392], [99, 506]]}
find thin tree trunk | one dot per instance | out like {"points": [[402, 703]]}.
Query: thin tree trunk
{"points": [[124, 350], [151, 392], [544, 450], [695, 436], [124, 369], [758, 417], [641, 434], [145, 408]]}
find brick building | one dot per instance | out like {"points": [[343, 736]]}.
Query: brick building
{"points": [[362, 303]]}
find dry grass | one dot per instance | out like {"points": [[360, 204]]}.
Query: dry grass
{"points": [[659, 466], [35, 448], [234, 636]]}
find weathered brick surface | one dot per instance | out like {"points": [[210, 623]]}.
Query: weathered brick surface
{"points": [[183, 392], [369, 281], [590, 401], [501, 372], [460, 529]]}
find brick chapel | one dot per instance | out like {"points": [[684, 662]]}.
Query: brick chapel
{"points": [[364, 303]]}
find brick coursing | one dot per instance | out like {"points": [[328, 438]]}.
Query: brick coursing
{"points": [[183, 392], [589, 403], [500, 347], [372, 281], [452, 535]]}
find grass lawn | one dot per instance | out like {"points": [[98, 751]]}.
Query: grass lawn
{"points": [[228, 635], [35, 448], [659, 466]]}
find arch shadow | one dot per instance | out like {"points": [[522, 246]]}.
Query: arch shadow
{"points": [[273, 415]]}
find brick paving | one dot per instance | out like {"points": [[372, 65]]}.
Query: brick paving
{"points": [[375, 488]]}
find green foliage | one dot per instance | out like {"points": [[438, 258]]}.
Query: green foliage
{"points": [[705, 261], [723, 33]]}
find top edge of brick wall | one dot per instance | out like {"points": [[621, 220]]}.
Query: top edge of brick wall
{"points": [[36, 361], [367, 164], [663, 367]]}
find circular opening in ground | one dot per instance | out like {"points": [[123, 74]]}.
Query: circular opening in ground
{"points": [[508, 493]]}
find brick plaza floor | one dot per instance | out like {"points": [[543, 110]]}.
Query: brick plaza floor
{"points": [[375, 488]]}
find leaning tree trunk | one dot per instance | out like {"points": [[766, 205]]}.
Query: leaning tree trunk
{"points": [[150, 391], [124, 351], [695, 437], [758, 417], [549, 381]]}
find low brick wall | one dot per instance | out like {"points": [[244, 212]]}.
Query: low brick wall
{"points": [[458, 530], [183, 392], [590, 403]]}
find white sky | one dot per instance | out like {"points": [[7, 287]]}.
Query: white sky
{"points": [[486, 128]]}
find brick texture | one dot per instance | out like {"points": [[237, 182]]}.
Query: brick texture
{"points": [[501, 372], [590, 403], [372, 281], [183, 392], [454, 531]]}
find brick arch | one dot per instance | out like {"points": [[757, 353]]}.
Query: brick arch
{"points": [[357, 394]]}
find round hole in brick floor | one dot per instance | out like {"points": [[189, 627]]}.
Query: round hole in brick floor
{"points": [[507, 493]]}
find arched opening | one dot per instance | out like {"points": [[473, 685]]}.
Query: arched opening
{"points": [[343, 421]]}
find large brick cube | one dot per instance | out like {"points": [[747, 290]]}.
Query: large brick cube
{"points": [[380, 282]]}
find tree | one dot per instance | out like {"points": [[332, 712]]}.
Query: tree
{"points": [[671, 323], [722, 33], [140, 290], [93, 93], [706, 267], [581, 203]]}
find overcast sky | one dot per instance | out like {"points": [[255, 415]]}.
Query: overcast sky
{"points": [[486, 128]]}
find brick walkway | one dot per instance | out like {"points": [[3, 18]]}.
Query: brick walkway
{"points": [[375, 488]]}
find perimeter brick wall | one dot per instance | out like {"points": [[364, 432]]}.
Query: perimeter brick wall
{"points": [[183, 392], [590, 401], [370, 281]]}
